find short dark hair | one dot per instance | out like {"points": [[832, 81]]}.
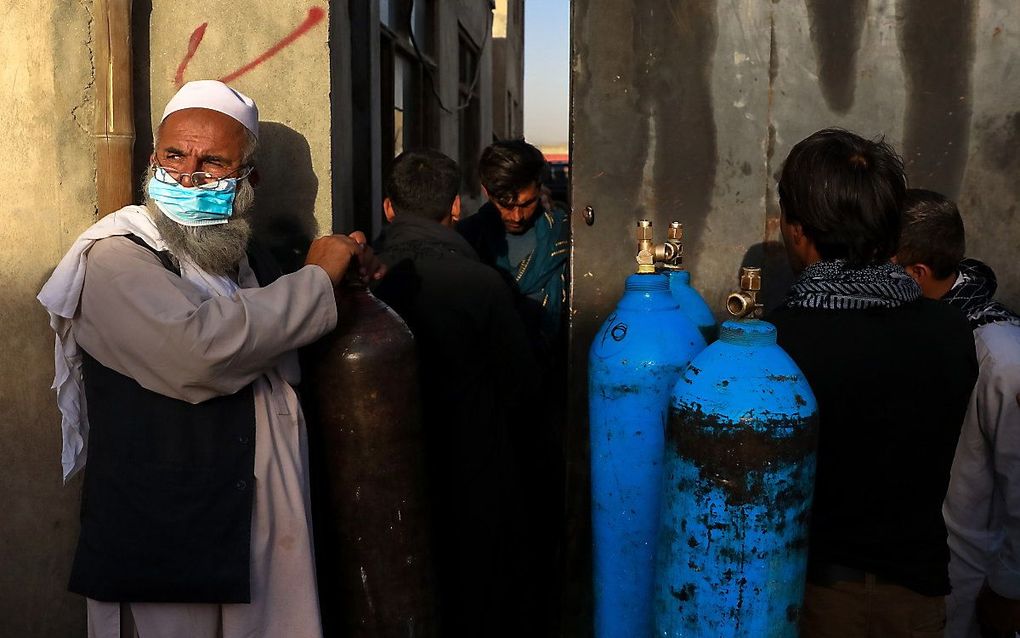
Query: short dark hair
{"points": [[846, 192], [508, 166], [932, 233], [423, 183]]}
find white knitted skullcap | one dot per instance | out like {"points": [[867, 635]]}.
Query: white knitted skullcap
{"points": [[216, 96]]}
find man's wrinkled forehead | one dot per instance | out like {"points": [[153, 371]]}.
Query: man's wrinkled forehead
{"points": [[201, 126]]}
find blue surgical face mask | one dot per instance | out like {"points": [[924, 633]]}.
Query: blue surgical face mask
{"points": [[193, 206]]}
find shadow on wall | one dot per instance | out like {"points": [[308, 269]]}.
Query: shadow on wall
{"points": [[777, 276], [284, 217], [141, 11]]}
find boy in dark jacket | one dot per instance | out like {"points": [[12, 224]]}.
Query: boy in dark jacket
{"points": [[892, 373]]}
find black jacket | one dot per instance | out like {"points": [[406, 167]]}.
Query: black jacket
{"points": [[892, 387], [485, 233], [477, 375]]}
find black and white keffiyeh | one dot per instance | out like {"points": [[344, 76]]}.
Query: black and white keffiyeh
{"points": [[972, 293], [832, 285]]}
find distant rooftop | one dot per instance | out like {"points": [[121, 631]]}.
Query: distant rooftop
{"points": [[555, 152]]}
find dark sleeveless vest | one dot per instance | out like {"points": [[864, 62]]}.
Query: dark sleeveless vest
{"points": [[169, 485]]}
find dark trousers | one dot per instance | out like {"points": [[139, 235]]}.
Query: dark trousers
{"points": [[870, 609]]}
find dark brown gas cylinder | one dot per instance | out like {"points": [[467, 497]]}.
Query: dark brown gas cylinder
{"points": [[368, 480]]}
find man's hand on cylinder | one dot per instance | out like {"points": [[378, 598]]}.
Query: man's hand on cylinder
{"points": [[369, 266], [333, 253]]}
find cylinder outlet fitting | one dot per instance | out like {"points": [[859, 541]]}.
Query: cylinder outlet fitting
{"points": [[646, 248], [744, 303], [669, 254]]}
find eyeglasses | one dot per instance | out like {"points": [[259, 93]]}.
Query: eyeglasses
{"points": [[199, 179]]}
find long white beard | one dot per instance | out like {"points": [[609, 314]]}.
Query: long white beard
{"points": [[216, 249]]}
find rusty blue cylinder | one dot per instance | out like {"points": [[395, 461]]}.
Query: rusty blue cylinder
{"points": [[692, 304], [636, 359], [738, 481]]}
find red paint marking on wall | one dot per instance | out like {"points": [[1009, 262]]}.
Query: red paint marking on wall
{"points": [[193, 42], [314, 17]]}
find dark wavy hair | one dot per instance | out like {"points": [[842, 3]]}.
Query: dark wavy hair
{"points": [[423, 183], [932, 233], [846, 193], [507, 167]]}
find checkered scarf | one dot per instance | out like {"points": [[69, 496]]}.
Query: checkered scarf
{"points": [[832, 285], [972, 293]]}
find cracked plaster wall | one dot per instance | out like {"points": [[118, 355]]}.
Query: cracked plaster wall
{"points": [[47, 185]]}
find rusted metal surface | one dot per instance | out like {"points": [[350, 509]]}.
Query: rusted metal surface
{"points": [[371, 520], [728, 455], [738, 480]]}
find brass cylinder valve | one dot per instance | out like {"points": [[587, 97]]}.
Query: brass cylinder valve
{"points": [[745, 303], [646, 247], [670, 253]]}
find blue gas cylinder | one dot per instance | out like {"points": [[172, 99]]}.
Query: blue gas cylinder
{"points": [[738, 481], [636, 359], [693, 304]]}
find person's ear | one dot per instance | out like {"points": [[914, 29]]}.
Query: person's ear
{"points": [[919, 272], [796, 233], [485, 192], [388, 209], [254, 177], [455, 209]]}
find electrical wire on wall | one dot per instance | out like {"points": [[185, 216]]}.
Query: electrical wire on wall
{"points": [[428, 70]]}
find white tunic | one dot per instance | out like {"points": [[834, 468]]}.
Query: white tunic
{"points": [[982, 507], [174, 338]]}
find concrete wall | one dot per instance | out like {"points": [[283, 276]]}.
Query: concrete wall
{"points": [[508, 69], [48, 189], [687, 110], [452, 17], [474, 17], [938, 78]]}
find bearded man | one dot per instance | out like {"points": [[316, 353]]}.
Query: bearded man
{"points": [[175, 362]]}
